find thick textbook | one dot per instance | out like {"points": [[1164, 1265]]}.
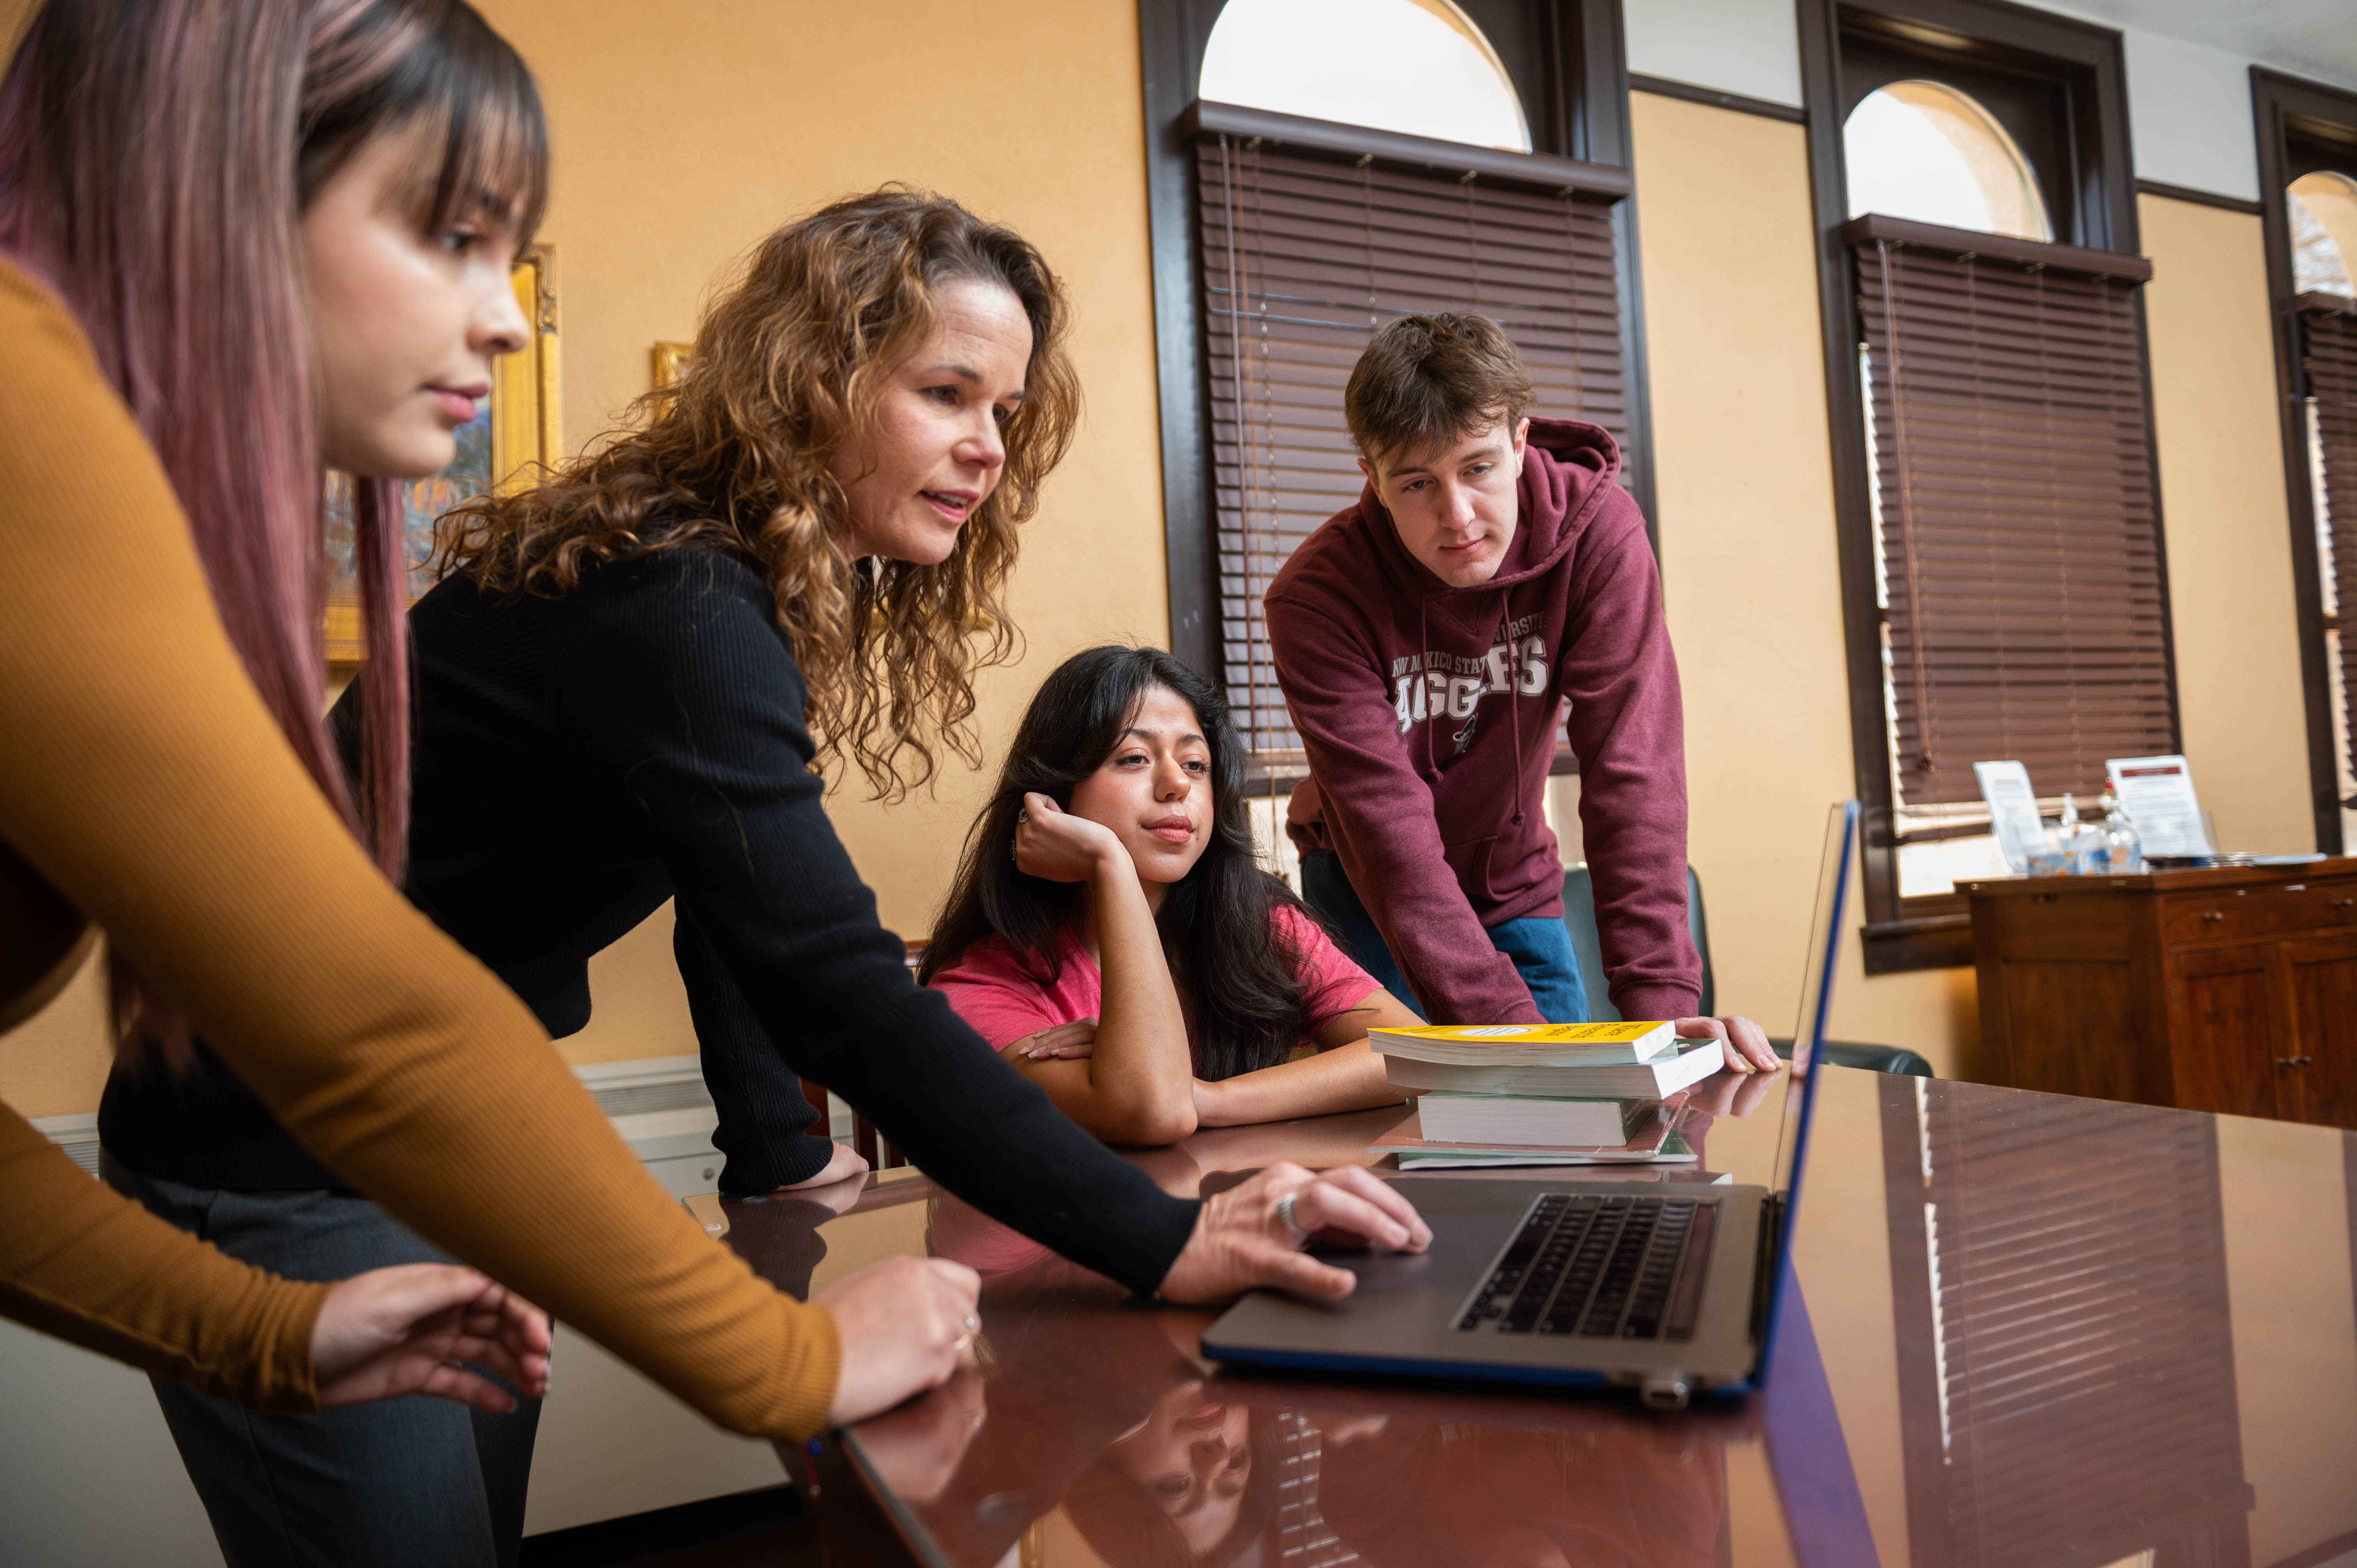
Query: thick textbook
{"points": [[1456, 1117], [1657, 1141], [1651, 1080], [1527, 1044], [1447, 1157]]}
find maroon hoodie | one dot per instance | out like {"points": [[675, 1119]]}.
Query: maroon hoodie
{"points": [[1429, 714]]}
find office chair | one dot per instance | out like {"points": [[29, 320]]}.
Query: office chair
{"points": [[876, 1150], [1580, 919]]}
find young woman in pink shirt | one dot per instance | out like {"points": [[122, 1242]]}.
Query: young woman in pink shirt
{"points": [[1113, 934]]}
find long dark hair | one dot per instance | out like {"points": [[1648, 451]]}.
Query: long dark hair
{"points": [[1236, 971], [786, 371], [155, 159]]}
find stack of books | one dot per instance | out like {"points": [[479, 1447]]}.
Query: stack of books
{"points": [[1540, 1093]]}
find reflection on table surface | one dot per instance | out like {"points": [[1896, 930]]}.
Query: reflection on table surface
{"points": [[2030, 1329]]}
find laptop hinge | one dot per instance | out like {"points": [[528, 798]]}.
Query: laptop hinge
{"points": [[1771, 1255]]}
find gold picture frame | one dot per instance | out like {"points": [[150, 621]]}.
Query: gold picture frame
{"points": [[668, 359], [525, 431]]}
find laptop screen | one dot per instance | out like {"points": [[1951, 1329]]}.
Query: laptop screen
{"points": [[1816, 987]]}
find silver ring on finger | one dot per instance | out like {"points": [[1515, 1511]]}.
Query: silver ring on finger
{"points": [[1285, 1213]]}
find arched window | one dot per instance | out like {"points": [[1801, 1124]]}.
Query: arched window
{"points": [[1419, 67], [2323, 209], [1922, 151]]}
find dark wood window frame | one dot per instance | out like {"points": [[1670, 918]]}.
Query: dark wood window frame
{"points": [[1566, 60], [2291, 112], [2090, 198]]}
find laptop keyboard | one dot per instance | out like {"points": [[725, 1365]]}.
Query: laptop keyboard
{"points": [[1601, 1267]]}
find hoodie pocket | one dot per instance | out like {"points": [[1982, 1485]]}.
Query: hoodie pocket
{"points": [[1470, 859]]}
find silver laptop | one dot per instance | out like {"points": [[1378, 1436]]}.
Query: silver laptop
{"points": [[1672, 1290]]}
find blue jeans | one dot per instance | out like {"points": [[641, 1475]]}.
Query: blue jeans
{"points": [[1540, 946], [386, 1485]]}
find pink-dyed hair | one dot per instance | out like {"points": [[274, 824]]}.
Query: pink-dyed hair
{"points": [[155, 157]]}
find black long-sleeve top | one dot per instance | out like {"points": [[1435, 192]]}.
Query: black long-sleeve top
{"points": [[579, 760]]}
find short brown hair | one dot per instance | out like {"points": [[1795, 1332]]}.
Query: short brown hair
{"points": [[1426, 381]]}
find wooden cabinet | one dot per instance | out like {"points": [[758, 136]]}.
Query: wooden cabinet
{"points": [[2227, 989]]}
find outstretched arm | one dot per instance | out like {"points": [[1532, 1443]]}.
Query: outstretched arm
{"points": [[1345, 1075], [1136, 1085]]}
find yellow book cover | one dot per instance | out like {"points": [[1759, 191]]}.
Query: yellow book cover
{"points": [[1529, 1045]]}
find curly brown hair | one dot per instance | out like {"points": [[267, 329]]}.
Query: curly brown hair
{"points": [[735, 454]]}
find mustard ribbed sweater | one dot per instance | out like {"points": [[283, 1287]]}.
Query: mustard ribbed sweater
{"points": [[145, 788]]}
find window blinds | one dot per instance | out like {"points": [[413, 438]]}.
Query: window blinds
{"points": [[2017, 541], [2328, 355], [1305, 253], [2060, 1287]]}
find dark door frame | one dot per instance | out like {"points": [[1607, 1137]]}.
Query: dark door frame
{"points": [[2294, 115]]}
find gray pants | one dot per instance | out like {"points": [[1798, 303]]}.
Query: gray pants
{"points": [[404, 1481]]}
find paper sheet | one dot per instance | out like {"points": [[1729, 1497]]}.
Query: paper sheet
{"points": [[2156, 793], [2013, 812]]}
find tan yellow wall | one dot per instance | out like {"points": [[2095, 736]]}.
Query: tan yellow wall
{"points": [[682, 135], [2223, 505], [1743, 473]]}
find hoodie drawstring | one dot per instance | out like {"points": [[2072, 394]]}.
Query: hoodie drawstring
{"points": [[1422, 647], [1514, 703], [1513, 692]]}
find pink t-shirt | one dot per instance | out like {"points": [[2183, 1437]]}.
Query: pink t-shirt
{"points": [[990, 990]]}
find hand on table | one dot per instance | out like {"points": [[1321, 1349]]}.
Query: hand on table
{"points": [[400, 1330], [844, 1166], [907, 1324], [1241, 1240], [1745, 1042], [1053, 845]]}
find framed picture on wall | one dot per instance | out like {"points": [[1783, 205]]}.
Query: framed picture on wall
{"points": [[513, 429], [669, 358]]}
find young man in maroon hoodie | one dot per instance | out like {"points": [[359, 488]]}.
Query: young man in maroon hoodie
{"points": [[1427, 638]]}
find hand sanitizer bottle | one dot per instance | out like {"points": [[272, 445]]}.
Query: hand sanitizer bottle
{"points": [[2123, 851], [2079, 844]]}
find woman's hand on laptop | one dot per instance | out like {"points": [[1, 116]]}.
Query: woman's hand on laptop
{"points": [[1745, 1042], [1252, 1235]]}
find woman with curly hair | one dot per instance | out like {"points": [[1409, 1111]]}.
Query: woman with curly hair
{"points": [[1113, 933], [629, 676]]}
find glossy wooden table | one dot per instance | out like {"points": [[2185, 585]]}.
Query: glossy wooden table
{"points": [[2030, 1329]]}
